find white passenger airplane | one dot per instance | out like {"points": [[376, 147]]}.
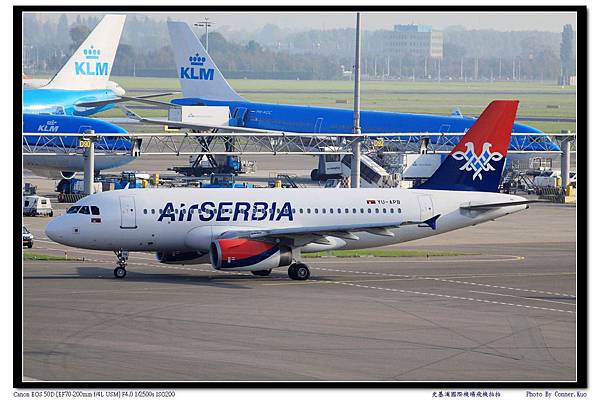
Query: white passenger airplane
{"points": [[257, 230]]}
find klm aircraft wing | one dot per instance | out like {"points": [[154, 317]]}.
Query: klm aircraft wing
{"points": [[140, 99], [345, 232], [185, 125]]}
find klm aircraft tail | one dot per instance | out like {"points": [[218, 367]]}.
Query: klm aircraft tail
{"points": [[89, 67], [476, 163], [198, 75]]}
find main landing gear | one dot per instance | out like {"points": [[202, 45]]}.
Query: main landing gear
{"points": [[122, 257], [299, 272]]}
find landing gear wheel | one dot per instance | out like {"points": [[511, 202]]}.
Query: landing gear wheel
{"points": [[264, 272], [120, 272], [299, 272], [122, 257]]}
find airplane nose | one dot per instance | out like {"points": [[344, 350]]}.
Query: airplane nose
{"points": [[53, 230]]}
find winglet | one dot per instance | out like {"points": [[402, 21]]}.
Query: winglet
{"points": [[432, 222]]}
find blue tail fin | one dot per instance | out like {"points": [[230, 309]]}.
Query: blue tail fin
{"points": [[476, 163]]}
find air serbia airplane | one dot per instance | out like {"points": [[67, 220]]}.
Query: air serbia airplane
{"points": [[203, 84], [257, 230]]}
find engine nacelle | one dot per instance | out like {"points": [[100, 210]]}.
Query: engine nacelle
{"points": [[67, 174], [248, 255], [182, 258]]}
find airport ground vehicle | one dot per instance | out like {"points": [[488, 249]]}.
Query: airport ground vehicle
{"points": [[261, 229], [222, 181], [27, 237], [37, 205], [551, 178], [211, 165]]}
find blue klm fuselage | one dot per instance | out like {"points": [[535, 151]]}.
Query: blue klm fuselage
{"points": [[305, 119], [64, 102]]}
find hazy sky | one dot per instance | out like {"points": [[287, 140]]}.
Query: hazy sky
{"points": [[541, 21]]}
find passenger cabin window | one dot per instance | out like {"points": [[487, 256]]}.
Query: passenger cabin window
{"points": [[95, 210], [84, 210], [44, 201], [73, 210], [26, 203]]}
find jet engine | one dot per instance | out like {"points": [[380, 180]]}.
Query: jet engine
{"points": [[248, 255], [182, 258], [67, 174]]}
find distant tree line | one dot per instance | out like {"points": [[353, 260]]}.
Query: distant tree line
{"points": [[276, 53]]}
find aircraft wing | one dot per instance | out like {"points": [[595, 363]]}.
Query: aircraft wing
{"points": [[139, 99], [317, 234], [491, 206], [185, 125]]}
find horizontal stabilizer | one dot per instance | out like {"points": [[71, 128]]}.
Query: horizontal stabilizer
{"points": [[490, 206]]}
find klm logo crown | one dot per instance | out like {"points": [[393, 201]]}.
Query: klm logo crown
{"points": [[197, 60], [91, 53]]}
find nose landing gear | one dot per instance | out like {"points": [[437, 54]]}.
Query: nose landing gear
{"points": [[122, 257]]}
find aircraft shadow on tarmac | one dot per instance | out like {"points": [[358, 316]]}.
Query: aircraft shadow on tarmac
{"points": [[222, 280]]}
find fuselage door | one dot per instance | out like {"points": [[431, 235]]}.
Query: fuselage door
{"points": [[426, 206], [127, 212], [318, 124]]}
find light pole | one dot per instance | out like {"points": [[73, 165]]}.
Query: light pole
{"points": [[355, 169], [206, 23]]}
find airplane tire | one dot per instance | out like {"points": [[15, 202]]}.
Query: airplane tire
{"points": [[299, 272], [314, 175], [120, 272], [264, 272]]}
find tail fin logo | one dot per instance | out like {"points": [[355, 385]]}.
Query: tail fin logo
{"points": [[91, 67], [477, 163], [203, 74]]}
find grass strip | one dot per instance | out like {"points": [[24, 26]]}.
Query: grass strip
{"points": [[27, 256]]}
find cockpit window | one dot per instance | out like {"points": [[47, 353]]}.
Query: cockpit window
{"points": [[73, 210], [95, 210], [84, 210]]}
